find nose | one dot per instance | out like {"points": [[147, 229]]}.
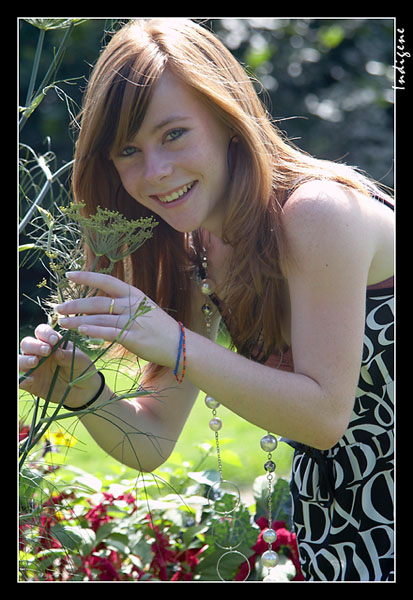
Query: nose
{"points": [[157, 167]]}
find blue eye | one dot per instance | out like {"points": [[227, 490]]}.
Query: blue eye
{"points": [[174, 134], [128, 151]]}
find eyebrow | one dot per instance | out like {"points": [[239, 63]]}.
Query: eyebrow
{"points": [[168, 120]]}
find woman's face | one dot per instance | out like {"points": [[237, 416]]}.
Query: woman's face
{"points": [[176, 165]]}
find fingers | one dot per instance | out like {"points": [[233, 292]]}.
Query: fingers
{"points": [[30, 361], [35, 348], [106, 327], [106, 283], [109, 334], [98, 305], [42, 344], [47, 334]]}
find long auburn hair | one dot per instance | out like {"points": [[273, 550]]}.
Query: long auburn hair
{"points": [[267, 167]]}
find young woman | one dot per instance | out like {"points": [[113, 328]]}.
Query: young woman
{"points": [[296, 255]]}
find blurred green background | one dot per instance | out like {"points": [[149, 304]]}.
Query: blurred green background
{"points": [[327, 81]]}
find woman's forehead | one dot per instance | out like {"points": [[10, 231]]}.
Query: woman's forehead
{"points": [[171, 102]]}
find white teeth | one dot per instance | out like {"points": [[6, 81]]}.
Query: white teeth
{"points": [[177, 194]]}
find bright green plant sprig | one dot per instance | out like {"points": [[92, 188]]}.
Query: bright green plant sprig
{"points": [[108, 234]]}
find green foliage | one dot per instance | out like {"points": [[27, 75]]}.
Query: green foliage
{"points": [[281, 500], [328, 83], [47, 24], [147, 528], [110, 234]]}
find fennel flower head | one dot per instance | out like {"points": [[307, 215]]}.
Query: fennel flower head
{"points": [[108, 233]]}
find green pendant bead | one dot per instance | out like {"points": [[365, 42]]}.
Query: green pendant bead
{"points": [[269, 466]]}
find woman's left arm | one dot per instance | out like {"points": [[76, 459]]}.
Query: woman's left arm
{"points": [[330, 250]]}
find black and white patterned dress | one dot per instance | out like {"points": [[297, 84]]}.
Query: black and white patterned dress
{"points": [[343, 497]]}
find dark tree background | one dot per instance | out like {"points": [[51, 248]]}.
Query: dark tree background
{"points": [[328, 82]]}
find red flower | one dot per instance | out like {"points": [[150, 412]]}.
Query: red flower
{"points": [[163, 554], [286, 543], [106, 565], [188, 559], [97, 516], [23, 432]]}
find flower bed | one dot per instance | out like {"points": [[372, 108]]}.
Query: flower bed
{"points": [[148, 529]]}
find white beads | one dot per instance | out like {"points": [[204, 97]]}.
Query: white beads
{"points": [[269, 559], [268, 443], [207, 287], [211, 402], [269, 536], [215, 424]]}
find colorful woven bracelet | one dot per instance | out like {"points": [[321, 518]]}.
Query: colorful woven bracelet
{"points": [[181, 351]]}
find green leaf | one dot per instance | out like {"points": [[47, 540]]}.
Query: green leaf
{"points": [[30, 483], [207, 566], [331, 36], [104, 532], [231, 458], [27, 110], [74, 537], [281, 502], [257, 56], [24, 247], [208, 477], [48, 556], [47, 216], [119, 542], [143, 549], [280, 499]]}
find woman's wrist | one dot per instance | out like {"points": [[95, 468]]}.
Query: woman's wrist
{"points": [[93, 399]]}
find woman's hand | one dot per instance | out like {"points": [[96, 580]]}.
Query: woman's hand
{"points": [[152, 335], [34, 349]]}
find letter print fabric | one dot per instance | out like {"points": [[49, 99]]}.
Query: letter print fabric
{"points": [[343, 497]]}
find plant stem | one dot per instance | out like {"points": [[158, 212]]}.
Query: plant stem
{"points": [[43, 193], [34, 436], [35, 66], [54, 65]]}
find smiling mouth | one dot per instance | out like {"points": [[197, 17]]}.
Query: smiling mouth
{"points": [[176, 194]]}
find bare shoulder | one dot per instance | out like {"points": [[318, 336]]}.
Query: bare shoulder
{"points": [[323, 219], [321, 200]]}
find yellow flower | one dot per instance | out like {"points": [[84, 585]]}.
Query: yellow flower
{"points": [[60, 438]]}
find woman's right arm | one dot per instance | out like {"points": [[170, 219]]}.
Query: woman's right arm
{"points": [[141, 432]]}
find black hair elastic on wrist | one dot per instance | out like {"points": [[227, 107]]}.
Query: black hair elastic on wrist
{"points": [[95, 397]]}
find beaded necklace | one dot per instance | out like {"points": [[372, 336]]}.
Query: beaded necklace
{"points": [[227, 530]]}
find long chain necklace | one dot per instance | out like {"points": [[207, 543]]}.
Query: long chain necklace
{"points": [[224, 496]]}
